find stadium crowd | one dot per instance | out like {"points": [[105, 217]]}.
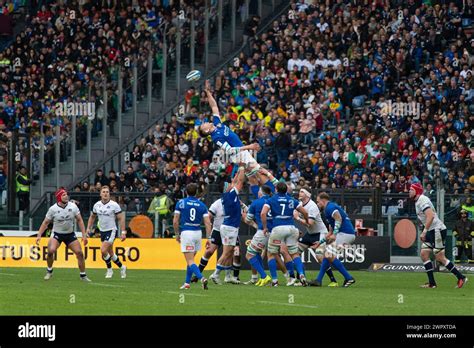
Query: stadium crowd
{"points": [[340, 94], [67, 50]]}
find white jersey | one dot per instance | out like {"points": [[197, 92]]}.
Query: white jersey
{"points": [[314, 214], [217, 211], [107, 215], [421, 205], [63, 218]]}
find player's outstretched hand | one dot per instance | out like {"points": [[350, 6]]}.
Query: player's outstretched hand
{"points": [[85, 240], [38, 239], [265, 231], [315, 245], [178, 239], [207, 86], [208, 244], [123, 236]]}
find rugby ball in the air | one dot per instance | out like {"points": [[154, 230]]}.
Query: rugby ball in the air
{"points": [[193, 75]]}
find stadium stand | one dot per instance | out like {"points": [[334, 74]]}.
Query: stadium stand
{"points": [[319, 90]]}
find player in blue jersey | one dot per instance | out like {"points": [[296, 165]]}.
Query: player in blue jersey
{"points": [[188, 216], [282, 206], [260, 240], [343, 233], [227, 140], [230, 226]]}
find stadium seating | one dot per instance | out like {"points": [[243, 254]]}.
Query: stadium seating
{"points": [[338, 95]]}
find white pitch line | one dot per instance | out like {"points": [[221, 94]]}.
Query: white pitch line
{"points": [[184, 293], [8, 274], [107, 285], [287, 304]]}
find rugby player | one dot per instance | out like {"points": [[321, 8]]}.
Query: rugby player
{"points": [[433, 237], [281, 206], [230, 226], [108, 211], [188, 216], [313, 232], [62, 215], [343, 233]]}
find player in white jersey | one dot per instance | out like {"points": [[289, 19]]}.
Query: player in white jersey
{"points": [[62, 215], [108, 211], [433, 237], [314, 231]]}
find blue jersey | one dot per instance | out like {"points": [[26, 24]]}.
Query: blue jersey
{"points": [[255, 188], [191, 213], [222, 134], [346, 225], [232, 209], [282, 207], [255, 210]]}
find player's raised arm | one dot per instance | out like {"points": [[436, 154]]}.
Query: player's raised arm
{"points": [[212, 102], [41, 230], [239, 179]]}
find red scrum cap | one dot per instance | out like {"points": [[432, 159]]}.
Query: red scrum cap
{"points": [[59, 193], [417, 188]]}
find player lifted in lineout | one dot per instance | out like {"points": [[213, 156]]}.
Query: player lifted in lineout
{"points": [[433, 237], [62, 215], [108, 211], [227, 140]]}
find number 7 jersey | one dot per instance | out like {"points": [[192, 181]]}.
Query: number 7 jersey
{"points": [[191, 213]]}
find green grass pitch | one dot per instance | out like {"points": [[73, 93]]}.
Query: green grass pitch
{"points": [[24, 292]]}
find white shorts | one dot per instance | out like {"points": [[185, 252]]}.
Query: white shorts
{"points": [[283, 234], [341, 240], [344, 238], [190, 241], [243, 157], [229, 235], [259, 240]]}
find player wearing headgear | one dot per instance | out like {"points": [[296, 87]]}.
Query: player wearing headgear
{"points": [[189, 213], [230, 226], [108, 211], [62, 215], [282, 206], [343, 233], [433, 237], [314, 231]]}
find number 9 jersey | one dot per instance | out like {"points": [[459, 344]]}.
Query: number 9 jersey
{"points": [[192, 212]]}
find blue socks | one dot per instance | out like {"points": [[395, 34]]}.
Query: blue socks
{"points": [[298, 265], [340, 267], [189, 273], [194, 269], [290, 266], [272, 265], [257, 265], [322, 271]]}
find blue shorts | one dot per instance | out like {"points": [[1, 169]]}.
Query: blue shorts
{"points": [[67, 238], [216, 238], [108, 236]]}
